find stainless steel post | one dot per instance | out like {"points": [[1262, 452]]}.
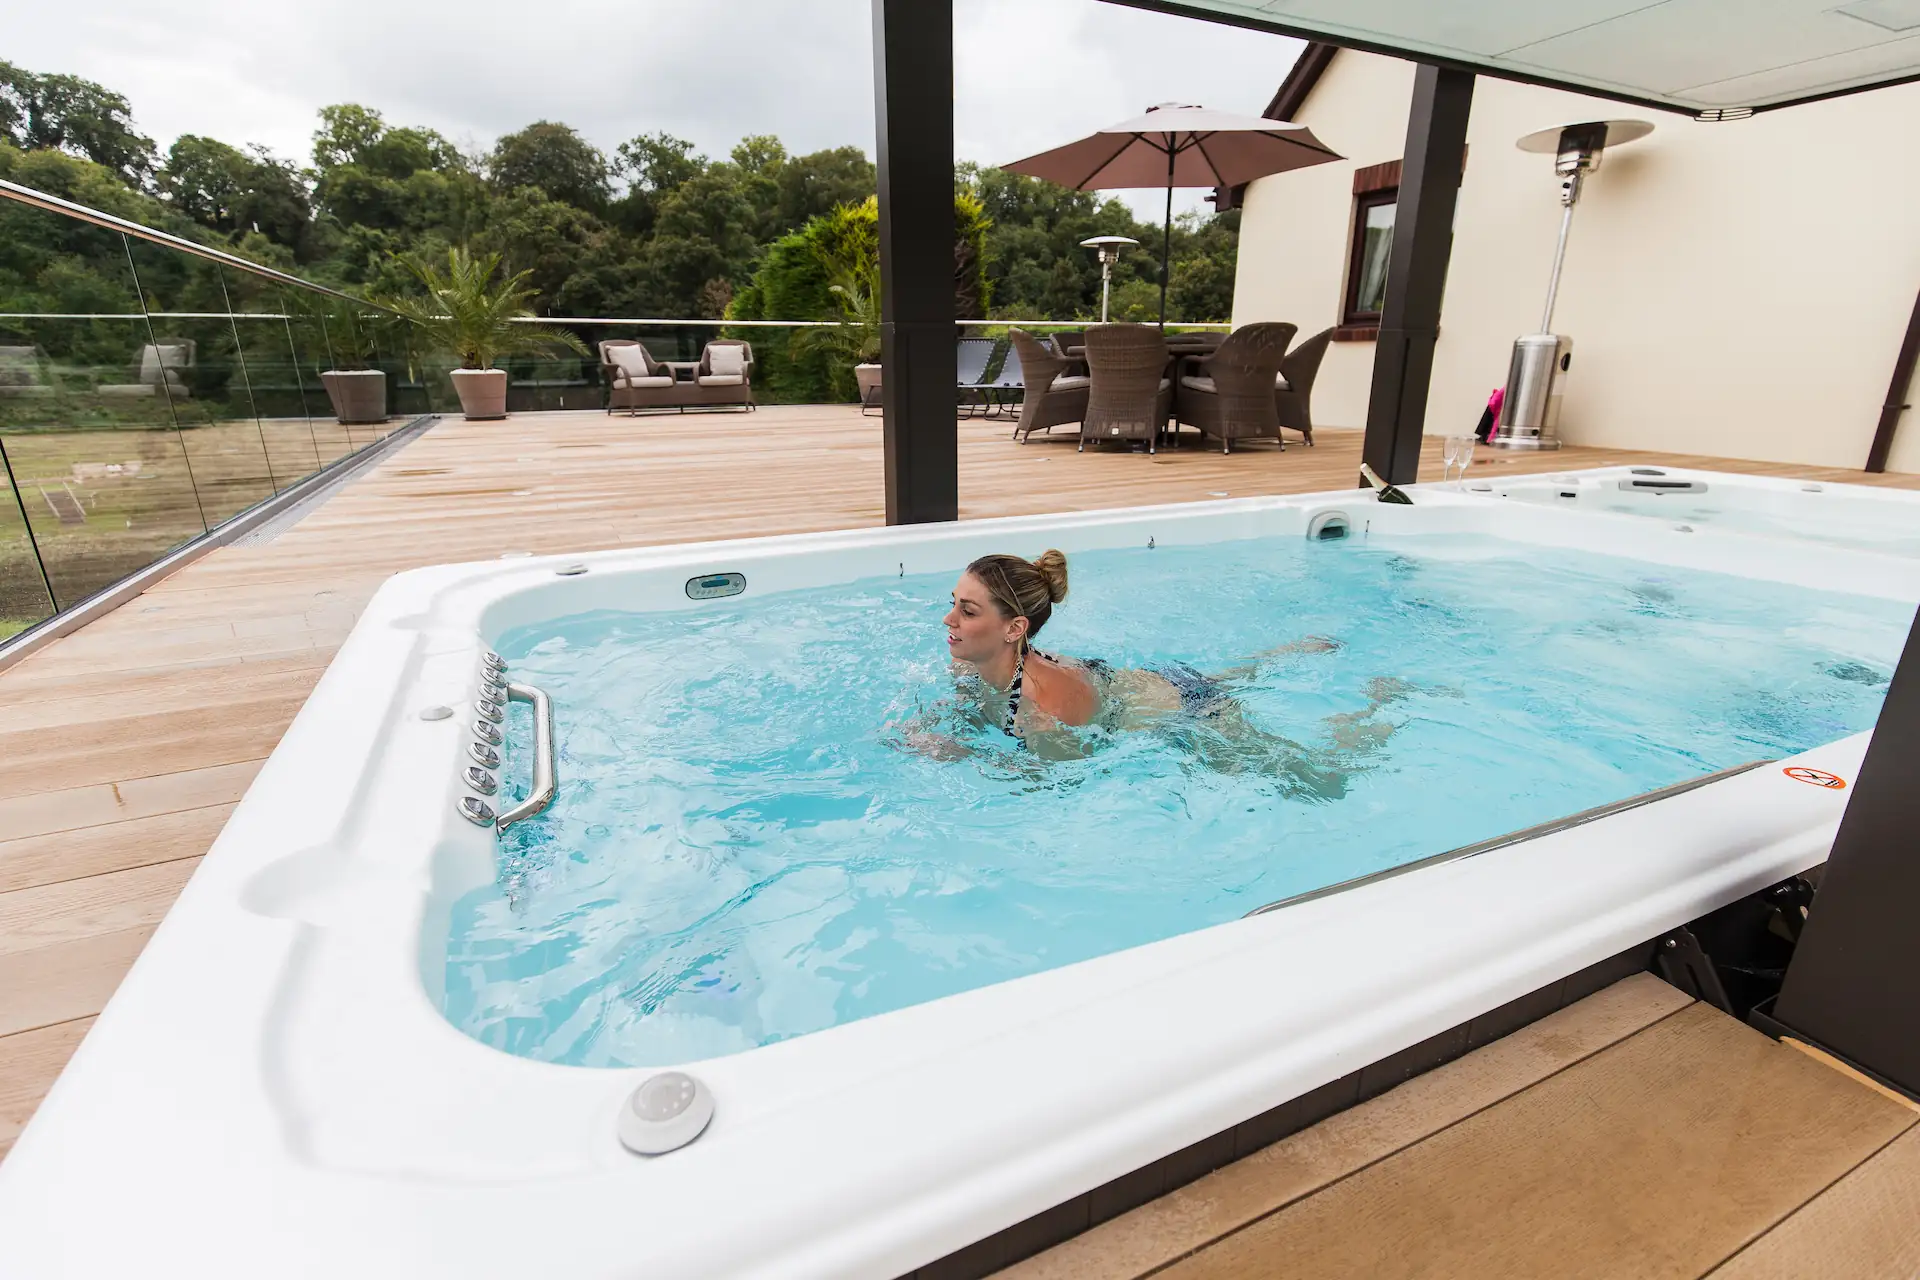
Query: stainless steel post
{"points": [[1559, 260]]}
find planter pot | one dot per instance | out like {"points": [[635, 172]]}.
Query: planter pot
{"points": [[483, 392], [358, 395], [867, 378]]}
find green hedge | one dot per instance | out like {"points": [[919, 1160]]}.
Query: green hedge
{"points": [[793, 283]]}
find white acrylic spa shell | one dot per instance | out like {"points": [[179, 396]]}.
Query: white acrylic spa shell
{"points": [[273, 1091]]}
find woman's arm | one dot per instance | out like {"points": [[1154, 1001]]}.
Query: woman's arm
{"points": [[1250, 667]]}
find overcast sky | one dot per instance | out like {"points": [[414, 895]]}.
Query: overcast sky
{"points": [[1031, 74]]}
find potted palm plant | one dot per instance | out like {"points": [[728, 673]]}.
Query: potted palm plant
{"points": [[356, 389], [467, 313]]}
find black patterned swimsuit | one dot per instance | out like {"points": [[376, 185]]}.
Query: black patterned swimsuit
{"points": [[1100, 671]]}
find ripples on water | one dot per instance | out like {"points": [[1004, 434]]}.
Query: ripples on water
{"points": [[743, 852]]}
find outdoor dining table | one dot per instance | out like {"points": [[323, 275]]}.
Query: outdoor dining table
{"points": [[1177, 345], [1178, 353]]}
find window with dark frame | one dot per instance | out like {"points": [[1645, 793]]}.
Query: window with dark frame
{"points": [[1376, 196]]}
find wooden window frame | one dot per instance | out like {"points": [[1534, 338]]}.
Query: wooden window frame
{"points": [[1373, 186]]}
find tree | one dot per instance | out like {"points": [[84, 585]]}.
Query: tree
{"points": [[813, 184], [79, 117], [656, 164], [705, 231], [660, 162], [347, 134], [760, 153], [556, 160], [233, 192], [389, 179], [543, 240], [1206, 251]]}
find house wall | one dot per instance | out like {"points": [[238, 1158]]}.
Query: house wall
{"points": [[1735, 289]]}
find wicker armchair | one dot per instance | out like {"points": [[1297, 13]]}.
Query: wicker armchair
{"points": [[1061, 340], [1130, 394], [635, 380], [1293, 391], [1230, 395], [714, 385], [1050, 399]]}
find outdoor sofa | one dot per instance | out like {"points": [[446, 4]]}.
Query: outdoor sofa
{"points": [[721, 378]]}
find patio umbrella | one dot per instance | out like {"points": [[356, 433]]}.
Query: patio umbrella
{"points": [[1176, 146]]}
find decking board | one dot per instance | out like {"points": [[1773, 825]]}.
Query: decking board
{"points": [[1192, 1217], [1866, 1226], [1661, 1156]]}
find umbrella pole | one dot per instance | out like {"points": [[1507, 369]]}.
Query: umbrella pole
{"points": [[1166, 236]]}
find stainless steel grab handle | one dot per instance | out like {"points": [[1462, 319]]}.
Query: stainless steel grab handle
{"points": [[546, 773]]}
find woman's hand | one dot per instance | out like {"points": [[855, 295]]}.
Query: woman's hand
{"points": [[934, 746]]}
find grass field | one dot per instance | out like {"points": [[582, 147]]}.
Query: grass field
{"points": [[104, 501]]}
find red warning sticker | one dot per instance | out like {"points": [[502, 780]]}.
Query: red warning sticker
{"points": [[1816, 777]]}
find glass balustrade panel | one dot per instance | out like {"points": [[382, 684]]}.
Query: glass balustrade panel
{"points": [[100, 470], [194, 364]]}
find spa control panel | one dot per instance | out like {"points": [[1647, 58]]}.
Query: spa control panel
{"points": [[714, 585]]}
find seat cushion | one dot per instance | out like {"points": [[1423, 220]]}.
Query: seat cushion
{"points": [[1076, 383], [632, 359], [1280, 382], [721, 379], [158, 360], [1192, 383], [657, 380], [725, 360]]}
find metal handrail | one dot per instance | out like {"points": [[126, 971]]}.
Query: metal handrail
{"points": [[546, 773], [1579, 819], [54, 204]]}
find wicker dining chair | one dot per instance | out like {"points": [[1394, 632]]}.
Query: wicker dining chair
{"points": [[1129, 395], [1293, 390], [1230, 395], [1050, 399]]}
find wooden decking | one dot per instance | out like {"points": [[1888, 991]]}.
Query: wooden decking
{"points": [[126, 745], [1635, 1134]]}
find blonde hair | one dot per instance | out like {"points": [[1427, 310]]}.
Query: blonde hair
{"points": [[1024, 588]]}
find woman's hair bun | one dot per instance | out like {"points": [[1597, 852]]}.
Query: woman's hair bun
{"points": [[1052, 565]]}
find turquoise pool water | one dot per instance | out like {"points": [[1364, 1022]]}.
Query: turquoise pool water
{"points": [[748, 846]]}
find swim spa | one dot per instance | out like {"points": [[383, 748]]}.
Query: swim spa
{"points": [[1848, 517], [281, 1083]]}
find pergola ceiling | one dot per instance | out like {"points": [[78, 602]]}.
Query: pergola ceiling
{"points": [[1712, 57]]}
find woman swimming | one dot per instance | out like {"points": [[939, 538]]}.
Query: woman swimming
{"points": [[1001, 602]]}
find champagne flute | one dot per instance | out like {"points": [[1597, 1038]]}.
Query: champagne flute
{"points": [[1465, 459], [1450, 451]]}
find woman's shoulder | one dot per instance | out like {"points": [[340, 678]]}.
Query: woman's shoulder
{"points": [[1075, 694]]}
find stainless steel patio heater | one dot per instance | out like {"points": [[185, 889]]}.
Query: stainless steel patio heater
{"points": [[1537, 375], [1109, 247]]}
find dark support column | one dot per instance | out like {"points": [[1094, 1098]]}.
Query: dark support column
{"points": [[1853, 987], [1896, 394], [1417, 271], [913, 109]]}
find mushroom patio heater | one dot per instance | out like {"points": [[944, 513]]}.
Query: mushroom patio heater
{"points": [[1537, 375], [1109, 247]]}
